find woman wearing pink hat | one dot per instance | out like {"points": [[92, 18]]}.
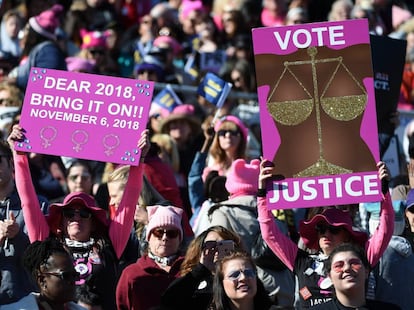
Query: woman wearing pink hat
{"points": [[40, 46], [322, 234], [141, 284], [95, 243]]}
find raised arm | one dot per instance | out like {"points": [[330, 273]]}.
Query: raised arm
{"points": [[35, 221], [280, 244], [379, 240], [120, 226]]}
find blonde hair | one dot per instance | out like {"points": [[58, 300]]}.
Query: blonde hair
{"points": [[169, 147]]}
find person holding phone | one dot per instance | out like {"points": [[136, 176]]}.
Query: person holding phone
{"points": [[194, 289]]}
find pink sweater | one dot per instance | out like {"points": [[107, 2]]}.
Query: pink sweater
{"points": [[37, 226]]}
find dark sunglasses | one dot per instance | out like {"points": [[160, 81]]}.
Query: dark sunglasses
{"points": [[322, 229], [6, 102], [171, 233], [223, 132], [147, 71], [97, 52], [70, 213], [236, 274], [64, 275]]}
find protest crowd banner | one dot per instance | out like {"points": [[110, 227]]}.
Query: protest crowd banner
{"points": [[318, 114], [85, 115]]}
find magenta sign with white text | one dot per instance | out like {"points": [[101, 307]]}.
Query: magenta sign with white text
{"points": [[317, 111], [84, 115]]}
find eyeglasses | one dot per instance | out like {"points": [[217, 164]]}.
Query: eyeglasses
{"points": [[97, 52], [146, 71], [64, 275], [70, 213], [354, 263], [83, 176], [322, 229], [171, 233], [6, 102], [236, 274], [223, 132]]}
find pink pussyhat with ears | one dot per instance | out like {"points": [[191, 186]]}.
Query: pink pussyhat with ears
{"points": [[242, 178], [164, 216], [91, 39]]}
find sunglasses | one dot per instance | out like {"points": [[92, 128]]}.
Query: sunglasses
{"points": [[70, 213], [223, 132], [6, 102], [322, 229], [83, 176], [236, 274], [171, 233], [97, 52], [64, 275], [354, 263], [146, 71]]}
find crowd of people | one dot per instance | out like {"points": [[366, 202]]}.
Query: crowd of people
{"points": [[189, 227]]}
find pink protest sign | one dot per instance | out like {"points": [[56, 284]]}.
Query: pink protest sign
{"points": [[317, 111], [84, 115]]}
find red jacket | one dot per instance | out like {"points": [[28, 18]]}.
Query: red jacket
{"points": [[141, 284]]}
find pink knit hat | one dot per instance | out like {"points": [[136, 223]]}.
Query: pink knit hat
{"points": [[46, 22], [159, 216], [188, 6], [242, 177], [170, 41], [91, 39], [235, 120], [80, 64]]}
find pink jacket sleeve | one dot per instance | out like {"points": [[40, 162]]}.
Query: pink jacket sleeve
{"points": [[35, 220], [120, 227], [280, 244], [377, 244]]}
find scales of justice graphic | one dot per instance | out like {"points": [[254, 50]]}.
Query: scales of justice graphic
{"points": [[317, 99]]}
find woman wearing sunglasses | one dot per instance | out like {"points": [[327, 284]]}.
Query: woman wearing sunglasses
{"points": [[142, 283], [236, 285], [348, 268], [321, 235], [52, 270], [95, 243], [229, 144]]}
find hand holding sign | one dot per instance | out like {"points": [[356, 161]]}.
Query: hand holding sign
{"points": [[90, 116]]}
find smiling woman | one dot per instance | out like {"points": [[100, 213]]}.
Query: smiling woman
{"points": [[348, 268], [236, 285]]}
